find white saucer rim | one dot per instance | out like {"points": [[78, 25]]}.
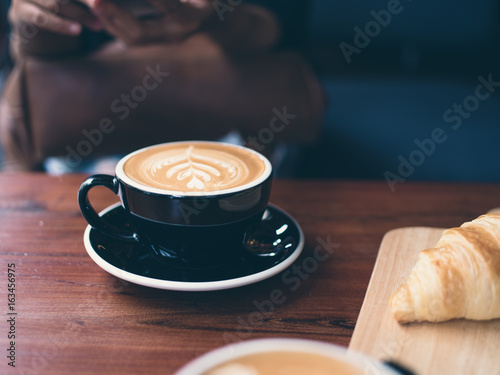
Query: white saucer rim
{"points": [[193, 286]]}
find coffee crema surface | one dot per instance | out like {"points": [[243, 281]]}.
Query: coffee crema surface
{"points": [[289, 363], [194, 167]]}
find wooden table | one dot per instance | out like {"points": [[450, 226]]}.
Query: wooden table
{"points": [[74, 318]]}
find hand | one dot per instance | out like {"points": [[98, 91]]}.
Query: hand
{"points": [[177, 19], [66, 17]]}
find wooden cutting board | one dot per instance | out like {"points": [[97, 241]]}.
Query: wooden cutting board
{"points": [[454, 347]]}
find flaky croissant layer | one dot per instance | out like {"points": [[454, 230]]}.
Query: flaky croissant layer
{"points": [[458, 278]]}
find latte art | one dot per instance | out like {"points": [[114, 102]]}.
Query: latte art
{"points": [[194, 167], [199, 174], [192, 170]]}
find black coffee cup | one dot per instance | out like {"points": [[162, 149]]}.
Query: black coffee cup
{"points": [[192, 229]]}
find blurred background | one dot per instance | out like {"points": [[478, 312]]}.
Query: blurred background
{"points": [[412, 87], [402, 84]]}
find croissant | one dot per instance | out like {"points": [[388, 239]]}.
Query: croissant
{"points": [[459, 278]]}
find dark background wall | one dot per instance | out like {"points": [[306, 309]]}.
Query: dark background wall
{"points": [[416, 74]]}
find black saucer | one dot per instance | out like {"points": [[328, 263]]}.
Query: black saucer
{"points": [[273, 246]]}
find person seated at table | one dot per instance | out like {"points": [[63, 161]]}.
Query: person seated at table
{"points": [[102, 77]]}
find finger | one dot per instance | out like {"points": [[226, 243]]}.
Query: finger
{"points": [[178, 24], [55, 6], [195, 10], [76, 11], [119, 23], [26, 13], [52, 6], [199, 4], [81, 14], [89, 3], [191, 16]]}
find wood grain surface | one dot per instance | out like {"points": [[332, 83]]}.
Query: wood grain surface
{"points": [[449, 348], [74, 318]]}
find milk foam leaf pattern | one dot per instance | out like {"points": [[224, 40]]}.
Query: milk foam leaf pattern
{"points": [[199, 173], [194, 168]]}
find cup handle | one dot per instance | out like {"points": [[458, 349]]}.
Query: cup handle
{"points": [[88, 212]]}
